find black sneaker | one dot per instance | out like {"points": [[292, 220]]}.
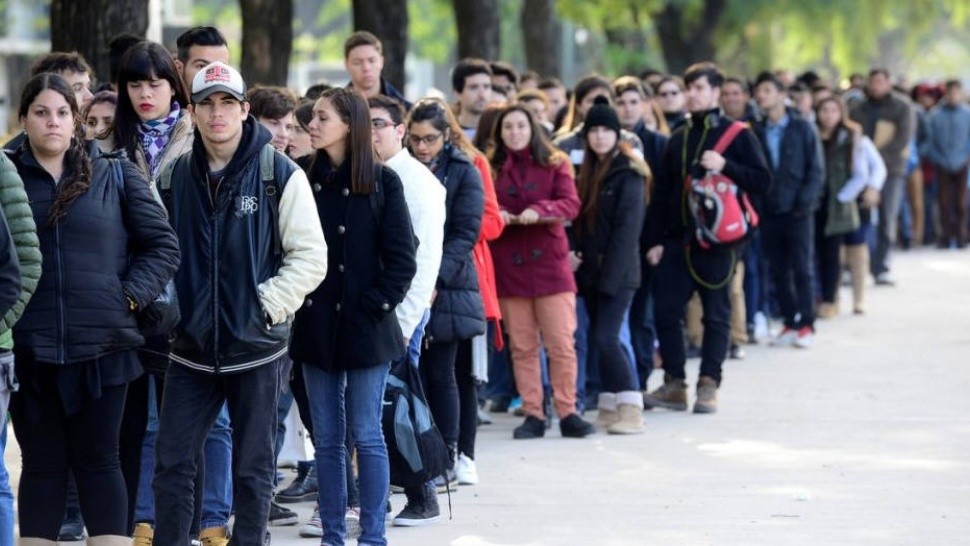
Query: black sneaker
{"points": [[500, 404], [279, 516], [420, 512], [736, 352], [573, 426], [303, 488], [533, 427], [72, 527]]}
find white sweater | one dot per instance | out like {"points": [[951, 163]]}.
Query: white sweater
{"points": [[425, 197]]}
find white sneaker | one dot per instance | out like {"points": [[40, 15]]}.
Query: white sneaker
{"points": [[760, 327], [465, 470], [805, 338], [785, 338], [314, 527]]}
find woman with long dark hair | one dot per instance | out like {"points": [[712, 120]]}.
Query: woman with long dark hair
{"points": [[854, 174], [347, 334], [612, 188], [108, 251], [536, 288]]}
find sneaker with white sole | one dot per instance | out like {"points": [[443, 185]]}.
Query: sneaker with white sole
{"points": [[421, 509], [314, 527], [466, 471], [785, 338], [352, 522], [805, 337]]}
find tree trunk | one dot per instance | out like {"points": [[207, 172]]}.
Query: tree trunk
{"points": [[267, 41], [478, 28], [542, 36], [388, 20], [685, 44], [87, 27]]}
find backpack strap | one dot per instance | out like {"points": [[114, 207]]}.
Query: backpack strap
{"points": [[271, 189], [728, 137]]}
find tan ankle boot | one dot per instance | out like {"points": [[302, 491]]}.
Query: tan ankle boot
{"points": [[672, 395], [109, 540], [629, 407], [32, 541], [827, 310], [143, 536], [857, 257], [606, 413], [214, 536]]}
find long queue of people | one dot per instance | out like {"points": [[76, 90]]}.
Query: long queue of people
{"points": [[528, 248]]}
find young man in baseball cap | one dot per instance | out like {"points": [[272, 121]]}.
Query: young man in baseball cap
{"points": [[252, 249]]}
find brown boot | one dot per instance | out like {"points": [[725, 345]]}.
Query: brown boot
{"points": [[606, 410], [706, 395], [672, 395], [109, 540], [214, 536], [857, 257], [31, 541], [827, 310], [629, 407]]}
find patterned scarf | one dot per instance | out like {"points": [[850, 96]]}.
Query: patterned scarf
{"points": [[155, 134]]}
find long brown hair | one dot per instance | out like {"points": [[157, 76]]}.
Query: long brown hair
{"points": [[76, 161], [353, 110], [442, 117], [583, 87], [592, 175], [541, 149], [845, 124]]}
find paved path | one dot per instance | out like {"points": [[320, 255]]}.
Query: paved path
{"points": [[864, 439]]}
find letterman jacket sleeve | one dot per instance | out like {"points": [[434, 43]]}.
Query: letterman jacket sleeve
{"points": [[304, 252]]}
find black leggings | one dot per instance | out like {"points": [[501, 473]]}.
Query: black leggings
{"points": [[827, 249], [606, 315], [52, 442], [437, 368], [467, 399]]}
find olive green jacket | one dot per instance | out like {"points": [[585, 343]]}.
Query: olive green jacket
{"points": [[20, 218]]}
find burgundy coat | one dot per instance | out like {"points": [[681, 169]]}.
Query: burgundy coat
{"points": [[533, 261]]}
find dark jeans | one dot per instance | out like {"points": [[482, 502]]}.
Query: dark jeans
{"points": [[642, 330], [891, 199], [52, 442], [437, 369], [673, 286], [606, 314], [953, 205], [788, 243], [190, 404], [467, 399]]}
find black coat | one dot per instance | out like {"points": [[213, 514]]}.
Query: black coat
{"points": [[348, 322], [115, 241], [611, 249], [800, 174], [458, 312], [745, 165]]}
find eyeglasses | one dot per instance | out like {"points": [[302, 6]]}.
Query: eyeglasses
{"points": [[427, 140], [379, 123], [673, 93]]}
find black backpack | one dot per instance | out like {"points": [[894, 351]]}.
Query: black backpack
{"points": [[415, 448]]}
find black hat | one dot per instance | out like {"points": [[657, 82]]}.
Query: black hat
{"points": [[601, 114]]}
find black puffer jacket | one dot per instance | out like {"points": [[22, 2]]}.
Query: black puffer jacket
{"points": [[114, 241], [458, 312], [611, 249]]}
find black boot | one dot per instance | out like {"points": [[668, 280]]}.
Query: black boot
{"points": [[304, 487]]}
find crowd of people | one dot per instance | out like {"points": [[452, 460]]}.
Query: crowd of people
{"points": [[529, 248]]}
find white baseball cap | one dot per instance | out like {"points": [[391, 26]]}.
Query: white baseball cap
{"points": [[215, 78]]}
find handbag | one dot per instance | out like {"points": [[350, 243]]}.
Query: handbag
{"points": [[162, 315]]}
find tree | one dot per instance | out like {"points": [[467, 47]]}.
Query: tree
{"points": [[478, 28], [388, 20], [267, 40], [686, 42], [542, 34], [101, 21]]}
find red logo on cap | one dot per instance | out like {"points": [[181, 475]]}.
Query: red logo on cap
{"points": [[216, 74]]}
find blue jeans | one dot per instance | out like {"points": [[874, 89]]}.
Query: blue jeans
{"points": [[191, 403], [217, 486], [341, 400], [8, 382]]}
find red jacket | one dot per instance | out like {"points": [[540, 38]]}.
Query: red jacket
{"points": [[533, 261], [492, 225]]}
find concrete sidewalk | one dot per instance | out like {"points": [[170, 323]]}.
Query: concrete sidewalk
{"points": [[863, 439]]}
